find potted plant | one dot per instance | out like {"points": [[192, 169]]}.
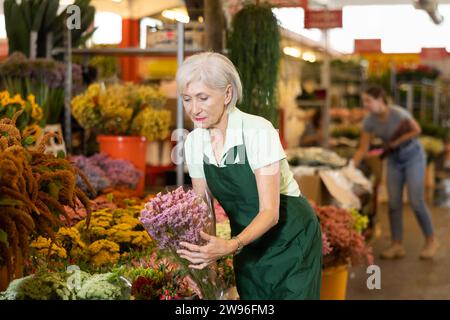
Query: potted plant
{"points": [[126, 117], [254, 47], [343, 246]]}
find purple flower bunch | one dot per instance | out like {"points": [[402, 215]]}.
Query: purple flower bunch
{"points": [[104, 172], [176, 216], [119, 172], [47, 71]]}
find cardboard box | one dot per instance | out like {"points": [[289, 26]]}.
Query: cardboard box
{"points": [[375, 164], [312, 187]]}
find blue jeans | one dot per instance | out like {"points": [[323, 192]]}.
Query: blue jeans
{"points": [[407, 165]]}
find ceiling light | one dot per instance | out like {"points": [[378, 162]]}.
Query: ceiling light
{"points": [[309, 56], [292, 51], [176, 15]]}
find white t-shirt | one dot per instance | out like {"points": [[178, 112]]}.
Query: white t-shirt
{"points": [[262, 144]]}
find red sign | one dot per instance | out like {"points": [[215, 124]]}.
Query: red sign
{"points": [[367, 45], [433, 53], [288, 3], [323, 19]]}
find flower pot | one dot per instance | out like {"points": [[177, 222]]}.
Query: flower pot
{"points": [[334, 283], [131, 148], [159, 153], [52, 145], [153, 156], [166, 157]]}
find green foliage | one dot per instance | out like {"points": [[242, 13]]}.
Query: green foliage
{"points": [[433, 130], [3, 236], [254, 47], [41, 16], [64, 286]]}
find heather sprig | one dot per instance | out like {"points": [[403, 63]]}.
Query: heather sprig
{"points": [[179, 216], [175, 217]]}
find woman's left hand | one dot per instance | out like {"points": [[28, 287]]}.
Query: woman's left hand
{"points": [[202, 256], [393, 144]]}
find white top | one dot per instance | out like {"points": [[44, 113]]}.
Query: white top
{"points": [[262, 144]]}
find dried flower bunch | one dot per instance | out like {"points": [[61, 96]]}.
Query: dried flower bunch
{"points": [[104, 172], [175, 217], [34, 188], [342, 240], [179, 216]]}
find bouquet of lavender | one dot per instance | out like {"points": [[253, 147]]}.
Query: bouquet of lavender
{"points": [[179, 216]]}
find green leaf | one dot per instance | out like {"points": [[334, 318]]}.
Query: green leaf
{"points": [[4, 237], [28, 141], [53, 189], [51, 14], [110, 197], [61, 154], [39, 15], [6, 201], [17, 30]]}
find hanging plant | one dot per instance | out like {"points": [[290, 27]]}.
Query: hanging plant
{"points": [[254, 47]]}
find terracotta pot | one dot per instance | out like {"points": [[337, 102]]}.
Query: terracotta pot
{"points": [[334, 283], [131, 148]]}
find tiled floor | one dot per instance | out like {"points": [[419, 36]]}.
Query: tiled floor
{"points": [[408, 278]]}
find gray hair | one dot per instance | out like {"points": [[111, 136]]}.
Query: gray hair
{"points": [[214, 70]]}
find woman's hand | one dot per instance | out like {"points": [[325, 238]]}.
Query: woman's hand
{"points": [[393, 144], [202, 256]]}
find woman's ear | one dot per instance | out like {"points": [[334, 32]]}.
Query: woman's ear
{"points": [[228, 94]]}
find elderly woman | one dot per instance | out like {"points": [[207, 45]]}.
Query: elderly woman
{"points": [[276, 235]]}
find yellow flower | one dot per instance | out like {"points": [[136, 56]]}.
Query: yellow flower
{"points": [[104, 252], [128, 220], [32, 130], [104, 258], [103, 245], [70, 236], [42, 245], [31, 98], [141, 239], [36, 112]]}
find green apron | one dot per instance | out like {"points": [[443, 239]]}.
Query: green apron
{"points": [[286, 262]]}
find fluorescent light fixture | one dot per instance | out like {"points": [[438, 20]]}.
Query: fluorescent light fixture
{"points": [[109, 26], [178, 15], [309, 56], [292, 51]]}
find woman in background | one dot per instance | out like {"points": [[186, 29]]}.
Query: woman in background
{"points": [[406, 163]]}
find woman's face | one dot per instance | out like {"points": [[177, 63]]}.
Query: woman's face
{"points": [[374, 105], [205, 106]]}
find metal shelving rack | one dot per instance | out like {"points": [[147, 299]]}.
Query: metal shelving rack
{"points": [[424, 104], [68, 51]]}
